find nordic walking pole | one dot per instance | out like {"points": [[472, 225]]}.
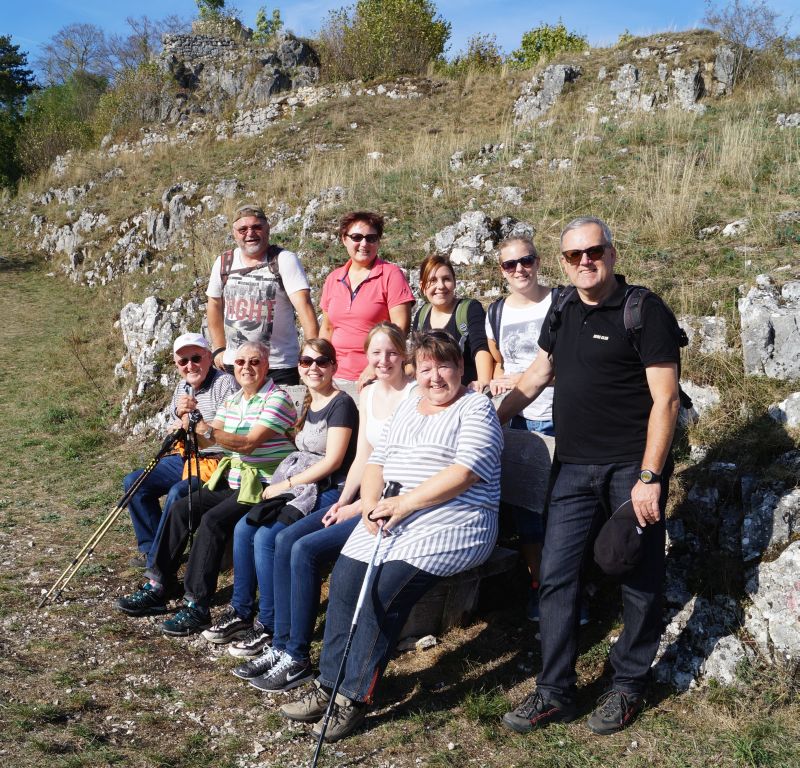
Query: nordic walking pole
{"points": [[88, 548], [391, 488]]}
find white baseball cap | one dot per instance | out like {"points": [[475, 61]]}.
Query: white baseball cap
{"points": [[190, 340]]}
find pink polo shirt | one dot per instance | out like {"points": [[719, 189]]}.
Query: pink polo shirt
{"points": [[353, 314]]}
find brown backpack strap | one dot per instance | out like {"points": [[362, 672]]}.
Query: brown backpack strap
{"points": [[225, 264]]}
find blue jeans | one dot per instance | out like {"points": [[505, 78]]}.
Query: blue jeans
{"points": [[253, 564], [395, 588], [144, 506], [542, 426], [301, 551], [582, 499]]}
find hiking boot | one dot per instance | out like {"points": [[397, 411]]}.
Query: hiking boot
{"points": [[229, 626], [615, 710], [259, 665], [189, 620], [146, 601], [536, 711], [139, 560], [346, 716], [310, 707], [253, 643], [532, 608], [285, 675]]}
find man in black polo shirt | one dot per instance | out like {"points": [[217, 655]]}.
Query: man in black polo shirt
{"points": [[615, 411]]}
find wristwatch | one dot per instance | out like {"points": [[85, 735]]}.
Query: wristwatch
{"points": [[647, 476], [209, 433]]}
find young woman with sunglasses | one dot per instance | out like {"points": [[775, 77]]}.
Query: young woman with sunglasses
{"points": [[304, 549], [325, 438], [363, 292]]}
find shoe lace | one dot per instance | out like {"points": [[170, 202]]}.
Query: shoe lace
{"points": [[613, 703], [252, 635], [268, 659], [228, 617], [283, 663], [532, 705]]}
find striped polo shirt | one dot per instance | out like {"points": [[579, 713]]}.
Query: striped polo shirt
{"points": [[460, 533], [269, 407]]}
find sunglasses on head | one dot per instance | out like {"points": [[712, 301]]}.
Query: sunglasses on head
{"points": [[511, 264], [357, 237], [595, 253], [242, 362], [184, 361], [323, 361]]}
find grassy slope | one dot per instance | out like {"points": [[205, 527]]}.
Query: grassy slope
{"points": [[83, 686]]}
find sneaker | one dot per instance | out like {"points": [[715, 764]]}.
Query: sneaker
{"points": [[253, 643], [229, 626], [346, 716], [285, 675], [532, 609], [310, 707], [258, 666], [615, 710], [189, 620], [146, 601], [536, 712]]}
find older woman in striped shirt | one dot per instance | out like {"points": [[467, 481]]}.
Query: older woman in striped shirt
{"points": [[442, 445]]}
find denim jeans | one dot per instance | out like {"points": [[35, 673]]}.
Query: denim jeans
{"points": [[301, 551], [254, 564], [215, 514], [178, 491], [144, 506], [542, 426], [395, 588], [583, 498]]}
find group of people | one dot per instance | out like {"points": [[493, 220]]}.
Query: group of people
{"points": [[297, 493]]}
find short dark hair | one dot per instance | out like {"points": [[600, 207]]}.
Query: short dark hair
{"points": [[375, 220], [436, 345], [430, 264], [321, 347]]}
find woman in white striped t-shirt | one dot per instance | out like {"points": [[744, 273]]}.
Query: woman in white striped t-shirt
{"points": [[442, 445]]}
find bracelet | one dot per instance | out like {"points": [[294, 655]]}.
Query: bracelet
{"points": [[289, 480], [217, 351]]}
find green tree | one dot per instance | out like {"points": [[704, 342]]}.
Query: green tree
{"points": [[16, 84], [210, 9], [382, 38], [267, 27], [544, 42], [482, 54]]}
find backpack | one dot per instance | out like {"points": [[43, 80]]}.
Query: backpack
{"points": [[495, 313], [461, 319], [226, 262], [631, 318]]}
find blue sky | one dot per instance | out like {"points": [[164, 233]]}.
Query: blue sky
{"points": [[32, 23]]}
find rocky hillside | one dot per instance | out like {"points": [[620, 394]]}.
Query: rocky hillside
{"points": [[699, 182]]}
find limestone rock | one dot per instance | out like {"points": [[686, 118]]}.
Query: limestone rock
{"points": [[540, 94], [773, 619], [726, 655], [468, 240], [688, 87], [724, 64], [708, 333], [771, 521], [769, 329], [787, 411], [788, 121]]}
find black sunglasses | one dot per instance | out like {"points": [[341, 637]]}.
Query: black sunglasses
{"points": [[323, 361], [357, 237], [595, 253], [511, 264], [242, 362], [184, 361]]}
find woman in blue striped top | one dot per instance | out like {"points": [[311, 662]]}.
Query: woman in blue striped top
{"points": [[442, 445]]}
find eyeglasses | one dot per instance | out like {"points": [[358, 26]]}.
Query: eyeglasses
{"points": [[357, 237], [253, 361], [323, 361], [595, 253], [254, 228], [182, 362], [511, 264]]}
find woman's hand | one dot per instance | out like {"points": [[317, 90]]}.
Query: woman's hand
{"points": [[271, 491], [392, 511], [478, 386], [339, 512]]}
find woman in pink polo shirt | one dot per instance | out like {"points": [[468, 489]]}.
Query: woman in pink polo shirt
{"points": [[360, 294]]}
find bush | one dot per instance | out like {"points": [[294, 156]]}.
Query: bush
{"points": [[381, 38], [134, 101], [544, 42], [59, 118], [267, 28], [482, 54]]}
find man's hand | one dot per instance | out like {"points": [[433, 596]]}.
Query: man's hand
{"points": [[645, 502], [504, 383], [185, 405], [219, 361]]}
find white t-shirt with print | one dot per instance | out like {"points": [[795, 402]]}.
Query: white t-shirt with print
{"points": [[256, 308], [519, 337]]}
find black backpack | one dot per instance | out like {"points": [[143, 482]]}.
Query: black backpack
{"points": [[632, 319], [495, 313]]}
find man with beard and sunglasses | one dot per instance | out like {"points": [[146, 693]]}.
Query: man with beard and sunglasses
{"points": [[254, 292], [201, 388], [615, 409]]}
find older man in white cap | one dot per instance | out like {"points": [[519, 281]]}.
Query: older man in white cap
{"points": [[202, 387]]}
